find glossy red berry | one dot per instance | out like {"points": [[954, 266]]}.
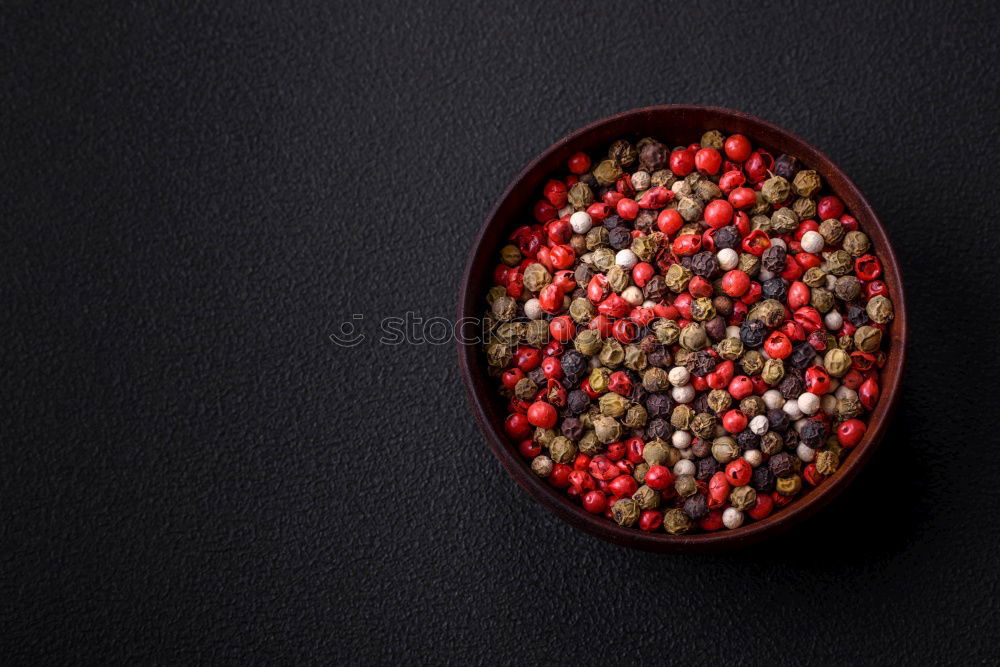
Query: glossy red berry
{"points": [[542, 414], [850, 432], [624, 485], [735, 283], [733, 421], [562, 328], [762, 508], [551, 299], [594, 502], [627, 208], [578, 163], [741, 198], [529, 449], [527, 358], [682, 162], [552, 368], [518, 427], [669, 221], [737, 148], [651, 520], [718, 213], [559, 477], [708, 161], [659, 477], [738, 472], [511, 377], [829, 207], [777, 345]]}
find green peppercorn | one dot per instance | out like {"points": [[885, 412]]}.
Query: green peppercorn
{"points": [[848, 408], [822, 299], [662, 177], [749, 264], [789, 486], [685, 485], [725, 449], [536, 277], [537, 333], [771, 443], [623, 153], [603, 259], [676, 522], [752, 406], [769, 311], [544, 436], [751, 362], [827, 462], [580, 196], [608, 430], [587, 342], [880, 309], [635, 417], [541, 465], [706, 190], [677, 278], [645, 247], [625, 512], [597, 237], [856, 243], [784, 221], [761, 222], [510, 255], [804, 207], [666, 331], [582, 310], [806, 183], [504, 308], [607, 172], [525, 389], [689, 208], [655, 379], [702, 309], [681, 417], [498, 354], [719, 400], [838, 262], [742, 497], [693, 337], [730, 348], [703, 425], [613, 405], [868, 339], [640, 472], [775, 190], [837, 362], [497, 292], [656, 452], [847, 288], [562, 449], [814, 277], [832, 231], [712, 139], [647, 498], [640, 181], [760, 205], [774, 371], [589, 444], [511, 332], [612, 353], [618, 278], [598, 379]]}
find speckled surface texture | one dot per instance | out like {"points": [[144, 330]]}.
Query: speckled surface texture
{"points": [[194, 199]]}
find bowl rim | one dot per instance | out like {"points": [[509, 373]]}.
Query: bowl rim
{"points": [[555, 500]]}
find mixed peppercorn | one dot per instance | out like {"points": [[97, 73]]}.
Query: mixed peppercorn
{"points": [[687, 336]]}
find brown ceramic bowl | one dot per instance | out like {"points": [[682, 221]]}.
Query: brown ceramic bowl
{"points": [[674, 125]]}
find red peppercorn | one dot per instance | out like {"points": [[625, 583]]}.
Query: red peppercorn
{"points": [[633, 449], [798, 295], [735, 283], [527, 358], [581, 481], [669, 221], [738, 472], [559, 231], [718, 213], [620, 384], [876, 288], [602, 323], [627, 208], [793, 270], [712, 522], [615, 451], [753, 294], [565, 280], [555, 192], [624, 331], [650, 521], [756, 242], [529, 449], [552, 368], [812, 475], [777, 345], [829, 207], [602, 468], [551, 299], [699, 287], [625, 466], [817, 380], [559, 477], [552, 349], [562, 328], [731, 180], [740, 387], [511, 377], [562, 256], [850, 432], [682, 302], [868, 393], [624, 485], [733, 421], [587, 389], [581, 462], [659, 477], [762, 508], [598, 211], [544, 211], [742, 198], [682, 162], [687, 244], [517, 426], [737, 147], [578, 163], [594, 502], [656, 197], [867, 267], [809, 318], [757, 166], [808, 260], [613, 306], [612, 197], [780, 500], [542, 414], [642, 272], [641, 316], [708, 161], [718, 490]]}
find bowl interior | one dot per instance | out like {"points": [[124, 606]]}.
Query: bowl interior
{"points": [[674, 125]]}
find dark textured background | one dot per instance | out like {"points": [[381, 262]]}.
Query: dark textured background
{"points": [[194, 199]]}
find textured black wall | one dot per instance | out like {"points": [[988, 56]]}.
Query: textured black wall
{"points": [[194, 199]]}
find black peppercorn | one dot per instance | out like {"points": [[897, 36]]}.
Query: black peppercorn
{"points": [[696, 507], [701, 447], [574, 362], [752, 333], [705, 468], [572, 428], [778, 420], [653, 155], [612, 222], [716, 327], [728, 237], [705, 264], [812, 434], [786, 166], [747, 440], [802, 356], [774, 289], [792, 386], [577, 401], [857, 315], [700, 404], [656, 289], [620, 238], [660, 405], [658, 429], [762, 479], [781, 464], [701, 363]]}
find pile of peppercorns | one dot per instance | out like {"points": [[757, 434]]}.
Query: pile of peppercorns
{"points": [[687, 335]]}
